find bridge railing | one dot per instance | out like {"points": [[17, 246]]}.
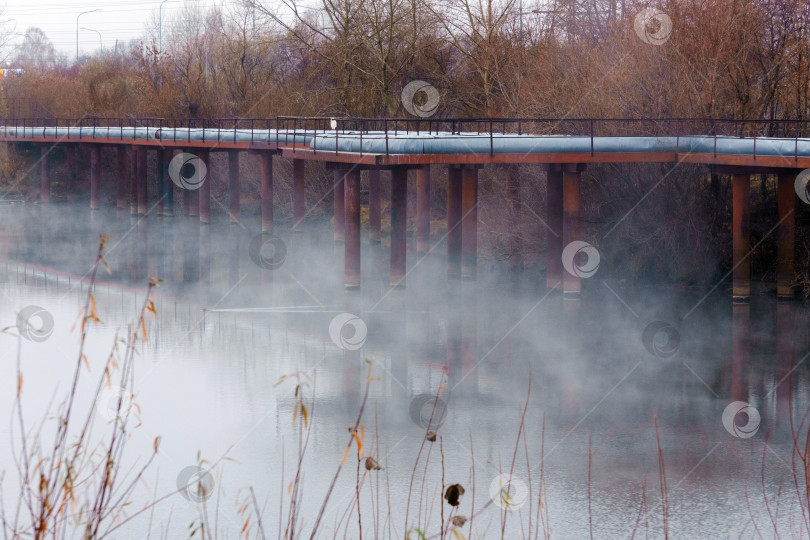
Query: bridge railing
{"points": [[225, 129]]}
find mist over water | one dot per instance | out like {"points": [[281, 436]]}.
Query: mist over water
{"points": [[227, 330]]}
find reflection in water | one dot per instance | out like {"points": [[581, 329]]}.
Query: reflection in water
{"points": [[740, 343], [786, 314], [228, 330]]}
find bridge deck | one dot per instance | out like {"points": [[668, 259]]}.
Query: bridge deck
{"points": [[376, 148]]}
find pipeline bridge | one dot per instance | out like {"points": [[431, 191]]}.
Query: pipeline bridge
{"points": [[348, 146]]}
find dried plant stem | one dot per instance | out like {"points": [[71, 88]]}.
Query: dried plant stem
{"points": [[340, 467], [590, 513], [662, 475]]}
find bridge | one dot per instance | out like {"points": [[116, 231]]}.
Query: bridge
{"points": [[562, 148]]}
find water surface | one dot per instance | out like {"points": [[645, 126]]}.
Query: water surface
{"points": [[227, 330]]}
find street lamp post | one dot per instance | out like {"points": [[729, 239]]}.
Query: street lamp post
{"points": [[77, 30], [160, 25], [100, 46]]}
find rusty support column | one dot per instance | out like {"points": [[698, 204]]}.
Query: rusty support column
{"points": [[570, 178], [44, 176], [133, 180], [143, 192], [741, 280], [233, 186], [352, 241], [168, 206], [95, 176], [469, 222], [423, 209], [123, 177], [72, 175], [554, 231], [161, 181], [299, 194], [204, 193], [399, 221], [454, 221], [338, 205], [374, 214], [266, 162], [513, 201], [785, 234]]}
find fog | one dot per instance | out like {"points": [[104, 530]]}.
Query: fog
{"points": [[227, 329]]}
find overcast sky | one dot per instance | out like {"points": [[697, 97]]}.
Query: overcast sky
{"points": [[121, 20]]}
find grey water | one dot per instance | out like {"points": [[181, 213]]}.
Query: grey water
{"points": [[228, 329]]}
